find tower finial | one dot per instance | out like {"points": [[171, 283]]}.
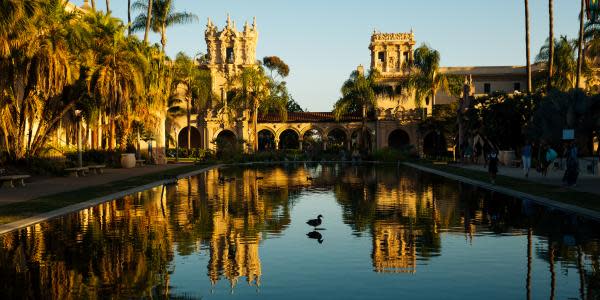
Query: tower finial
{"points": [[209, 23], [246, 26], [254, 22], [228, 21]]}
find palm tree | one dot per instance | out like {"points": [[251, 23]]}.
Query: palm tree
{"points": [[162, 15], [551, 39], [107, 6], [425, 79], [128, 17], [564, 59], [250, 92], [527, 47], [358, 95], [116, 75], [580, 53], [197, 86], [37, 66], [148, 21]]}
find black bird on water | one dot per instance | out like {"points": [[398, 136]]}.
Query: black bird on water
{"points": [[315, 235], [315, 222]]}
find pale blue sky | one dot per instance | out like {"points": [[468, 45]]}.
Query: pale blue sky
{"points": [[324, 40]]}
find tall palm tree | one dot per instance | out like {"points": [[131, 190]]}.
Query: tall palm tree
{"points": [[148, 21], [358, 95], [527, 47], [128, 17], [564, 60], [251, 90], [580, 53], [425, 79], [196, 84], [107, 6], [116, 75], [162, 15], [551, 39]]}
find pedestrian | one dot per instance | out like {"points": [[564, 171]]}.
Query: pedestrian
{"points": [[550, 156], [487, 150], [493, 166], [572, 171], [526, 158]]}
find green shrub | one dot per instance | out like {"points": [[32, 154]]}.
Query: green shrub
{"points": [[390, 154]]}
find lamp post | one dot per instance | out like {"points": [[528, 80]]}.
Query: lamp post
{"points": [[79, 155]]}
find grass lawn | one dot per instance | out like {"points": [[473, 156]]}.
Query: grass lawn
{"points": [[16, 211], [554, 192]]}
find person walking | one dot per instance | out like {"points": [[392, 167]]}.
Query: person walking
{"points": [[550, 156], [493, 166], [526, 158], [572, 171]]}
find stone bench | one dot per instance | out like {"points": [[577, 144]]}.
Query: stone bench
{"points": [[9, 181], [97, 169], [139, 162], [76, 172]]}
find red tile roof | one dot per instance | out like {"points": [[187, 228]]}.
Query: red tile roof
{"points": [[308, 117]]}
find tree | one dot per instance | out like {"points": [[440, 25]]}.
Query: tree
{"points": [[37, 66], [250, 92], [551, 39], [196, 84], [280, 101], [425, 79], [564, 60], [274, 63], [117, 73], [527, 47], [358, 95], [580, 53], [160, 14]]}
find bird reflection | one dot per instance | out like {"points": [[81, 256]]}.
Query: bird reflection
{"points": [[315, 235]]}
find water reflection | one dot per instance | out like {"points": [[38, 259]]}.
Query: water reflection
{"points": [[130, 248]]}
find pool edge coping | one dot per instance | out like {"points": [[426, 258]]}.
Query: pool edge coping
{"points": [[570, 208], [16, 225]]}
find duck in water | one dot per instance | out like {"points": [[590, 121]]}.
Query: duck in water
{"points": [[315, 235], [315, 222]]}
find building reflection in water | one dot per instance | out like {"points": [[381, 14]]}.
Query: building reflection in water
{"points": [[126, 248]]}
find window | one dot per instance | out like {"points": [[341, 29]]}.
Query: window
{"points": [[381, 56], [517, 86], [405, 57], [487, 88], [229, 58]]}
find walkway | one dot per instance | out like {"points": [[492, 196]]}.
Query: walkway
{"points": [[585, 183], [40, 187]]}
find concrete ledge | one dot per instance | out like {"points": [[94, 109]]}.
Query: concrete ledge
{"points": [[6, 228], [592, 214]]}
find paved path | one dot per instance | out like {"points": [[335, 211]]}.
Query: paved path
{"points": [[585, 183], [39, 187]]}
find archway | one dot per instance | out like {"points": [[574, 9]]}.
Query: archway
{"points": [[289, 139], [182, 137], [336, 140], [266, 140], [312, 140], [434, 144], [398, 139], [226, 142]]}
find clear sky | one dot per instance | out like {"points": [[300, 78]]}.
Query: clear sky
{"points": [[324, 40]]}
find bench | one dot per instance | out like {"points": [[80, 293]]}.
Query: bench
{"points": [[9, 181], [516, 163], [76, 172], [97, 169], [139, 162]]}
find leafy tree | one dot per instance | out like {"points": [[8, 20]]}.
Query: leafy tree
{"points": [[274, 63], [358, 95], [425, 79], [162, 15], [564, 77]]}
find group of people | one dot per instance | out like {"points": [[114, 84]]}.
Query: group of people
{"points": [[546, 158]]}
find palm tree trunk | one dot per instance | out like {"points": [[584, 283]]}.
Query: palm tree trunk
{"points": [[128, 17], [189, 131], [254, 125], [94, 5], [527, 50], [163, 38], [580, 45], [551, 38], [107, 7], [148, 20]]}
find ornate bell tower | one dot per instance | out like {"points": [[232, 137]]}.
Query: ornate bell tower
{"points": [[229, 52]]}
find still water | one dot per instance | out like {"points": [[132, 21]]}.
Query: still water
{"points": [[387, 232]]}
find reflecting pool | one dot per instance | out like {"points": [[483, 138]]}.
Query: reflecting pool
{"points": [[387, 232]]}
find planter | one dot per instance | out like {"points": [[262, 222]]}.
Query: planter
{"points": [[128, 160]]}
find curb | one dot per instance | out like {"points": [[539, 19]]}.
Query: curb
{"points": [[592, 214], [6, 228]]}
